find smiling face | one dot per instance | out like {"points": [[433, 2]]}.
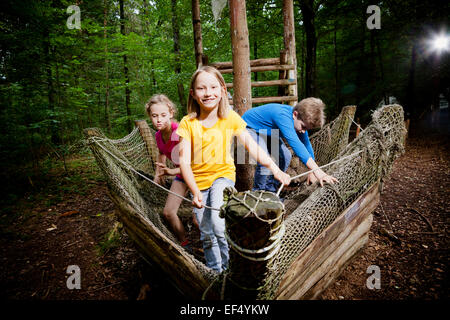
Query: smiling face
{"points": [[207, 91], [161, 116]]}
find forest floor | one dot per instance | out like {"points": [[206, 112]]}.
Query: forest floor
{"points": [[69, 220]]}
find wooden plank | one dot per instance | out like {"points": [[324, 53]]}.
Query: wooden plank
{"points": [[323, 245], [271, 99], [162, 251], [353, 242], [337, 268], [283, 82], [253, 63], [148, 138], [264, 68]]}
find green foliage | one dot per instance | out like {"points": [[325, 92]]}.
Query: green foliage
{"points": [[55, 81]]}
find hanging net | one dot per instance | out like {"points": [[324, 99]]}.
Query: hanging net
{"points": [[128, 165]]}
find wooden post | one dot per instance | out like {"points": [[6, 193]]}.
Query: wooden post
{"points": [[357, 127], [242, 98], [149, 140], [198, 46], [260, 230], [289, 45]]}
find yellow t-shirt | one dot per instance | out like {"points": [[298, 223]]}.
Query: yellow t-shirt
{"points": [[211, 147]]}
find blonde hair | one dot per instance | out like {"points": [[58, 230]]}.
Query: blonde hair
{"points": [[193, 108], [311, 111], [160, 98]]}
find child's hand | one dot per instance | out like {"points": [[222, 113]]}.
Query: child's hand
{"points": [[311, 178], [157, 179], [197, 200], [327, 178], [283, 177], [164, 170]]}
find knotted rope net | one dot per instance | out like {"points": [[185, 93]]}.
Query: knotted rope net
{"points": [[129, 163]]}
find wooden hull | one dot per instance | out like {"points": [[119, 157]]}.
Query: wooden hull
{"points": [[308, 276], [327, 255]]}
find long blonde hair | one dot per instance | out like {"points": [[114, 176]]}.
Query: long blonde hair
{"points": [[193, 108]]}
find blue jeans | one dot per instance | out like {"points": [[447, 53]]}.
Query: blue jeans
{"points": [[264, 179], [212, 227]]}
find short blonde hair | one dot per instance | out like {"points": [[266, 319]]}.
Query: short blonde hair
{"points": [[193, 108], [160, 98], [311, 111]]}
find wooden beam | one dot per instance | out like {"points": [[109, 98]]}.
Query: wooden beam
{"points": [[271, 99], [162, 251], [149, 140], [289, 43], [301, 275], [242, 94], [263, 68], [269, 83], [253, 63]]}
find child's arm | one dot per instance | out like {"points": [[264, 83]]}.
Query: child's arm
{"points": [[158, 173], [166, 171], [186, 172], [262, 157]]}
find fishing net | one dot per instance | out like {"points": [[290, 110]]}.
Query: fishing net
{"points": [[128, 165]]}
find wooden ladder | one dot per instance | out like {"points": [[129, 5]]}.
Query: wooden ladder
{"points": [[286, 92]]}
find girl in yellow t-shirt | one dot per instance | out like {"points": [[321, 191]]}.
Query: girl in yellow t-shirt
{"points": [[206, 163]]}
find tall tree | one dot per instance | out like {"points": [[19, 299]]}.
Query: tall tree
{"points": [[125, 70], [176, 49], [309, 12], [105, 37]]}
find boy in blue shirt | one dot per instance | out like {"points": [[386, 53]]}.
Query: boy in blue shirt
{"points": [[269, 123]]}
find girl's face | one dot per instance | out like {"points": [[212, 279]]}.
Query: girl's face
{"points": [[161, 114], [207, 91]]}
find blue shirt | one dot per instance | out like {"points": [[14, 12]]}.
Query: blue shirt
{"points": [[279, 116]]}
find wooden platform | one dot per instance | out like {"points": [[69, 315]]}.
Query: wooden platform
{"points": [[324, 259]]}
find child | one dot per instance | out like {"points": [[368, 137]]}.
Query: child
{"points": [[205, 157], [161, 111], [269, 122]]}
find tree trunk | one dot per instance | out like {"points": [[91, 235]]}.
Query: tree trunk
{"points": [[55, 138], [242, 99], [336, 71], [125, 70], [176, 49], [307, 7], [105, 23], [197, 25]]}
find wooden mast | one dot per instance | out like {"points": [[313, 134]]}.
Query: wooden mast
{"points": [[242, 98], [289, 45], [242, 95]]}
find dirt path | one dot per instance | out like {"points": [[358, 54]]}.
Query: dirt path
{"points": [[39, 240]]}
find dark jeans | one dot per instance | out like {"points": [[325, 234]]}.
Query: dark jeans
{"points": [[264, 179]]}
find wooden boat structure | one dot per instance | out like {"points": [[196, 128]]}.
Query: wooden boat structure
{"points": [[278, 250]]}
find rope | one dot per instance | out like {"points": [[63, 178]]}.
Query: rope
{"points": [[144, 177], [356, 123], [325, 165], [277, 237]]}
